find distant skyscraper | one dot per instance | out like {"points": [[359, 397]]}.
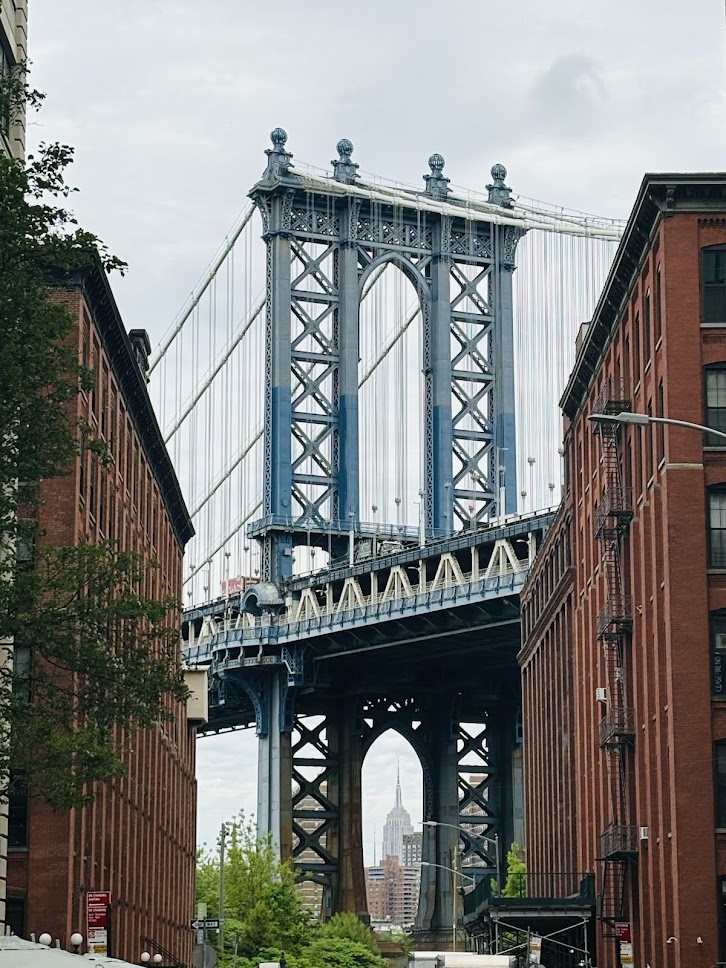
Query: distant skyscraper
{"points": [[398, 823], [412, 848]]}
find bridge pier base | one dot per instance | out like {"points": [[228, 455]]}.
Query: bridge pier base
{"points": [[346, 837], [440, 843], [274, 768]]}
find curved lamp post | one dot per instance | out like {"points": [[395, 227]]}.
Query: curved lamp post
{"points": [[644, 419]]}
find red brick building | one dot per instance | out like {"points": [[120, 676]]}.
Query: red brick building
{"points": [[137, 840], [624, 613]]}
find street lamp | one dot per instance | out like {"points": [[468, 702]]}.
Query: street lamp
{"points": [[76, 939], [491, 840], [644, 419], [145, 957], [455, 873]]}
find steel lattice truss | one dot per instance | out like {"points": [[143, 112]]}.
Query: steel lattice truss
{"points": [[322, 248]]}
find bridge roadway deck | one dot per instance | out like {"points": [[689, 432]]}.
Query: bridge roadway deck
{"points": [[426, 612]]}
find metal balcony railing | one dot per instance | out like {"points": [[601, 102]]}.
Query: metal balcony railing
{"points": [[546, 889], [616, 617], [614, 512], [613, 398], [618, 842], [617, 727]]}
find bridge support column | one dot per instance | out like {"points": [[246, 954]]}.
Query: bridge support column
{"points": [[274, 769], [437, 366], [506, 438], [346, 839], [277, 493], [507, 789], [348, 352], [440, 843]]}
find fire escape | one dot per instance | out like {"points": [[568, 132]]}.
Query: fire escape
{"points": [[619, 840]]}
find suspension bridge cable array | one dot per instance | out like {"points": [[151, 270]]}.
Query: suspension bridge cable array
{"points": [[209, 382]]}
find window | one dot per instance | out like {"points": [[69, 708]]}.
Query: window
{"points": [[720, 762], [15, 915], [715, 387], [658, 306], [646, 324], [21, 672], [661, 427], [18, 811], [104, 401], [636, 347], [629, 381], [718, 652], [82, 468], [713, 276], [717, 526], [92, 485], [6, 66]]}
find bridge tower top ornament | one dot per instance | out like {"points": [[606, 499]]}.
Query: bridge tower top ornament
{"points": [[325, 236]]}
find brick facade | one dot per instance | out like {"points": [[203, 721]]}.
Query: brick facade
{"points": [[621, 719], [137, 839]]}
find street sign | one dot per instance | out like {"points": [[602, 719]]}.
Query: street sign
{"points": [[97, 905], [205, 924]]}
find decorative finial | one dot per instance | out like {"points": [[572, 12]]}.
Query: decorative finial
{"points": [[344, 169], [278, 159], [499, 193], [436, 184]]}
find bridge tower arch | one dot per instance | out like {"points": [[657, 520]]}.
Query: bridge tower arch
{"points": [[324, 238]]}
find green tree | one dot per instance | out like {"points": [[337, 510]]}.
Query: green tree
{"points": [[516, 883], [263, 913], [350, 927], [330, 951], [102, 656]]}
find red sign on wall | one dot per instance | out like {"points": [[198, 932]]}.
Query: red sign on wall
{"points": [[622, 931], [97, 903]]}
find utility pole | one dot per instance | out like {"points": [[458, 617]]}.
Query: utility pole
{"points": [[222, 838]]}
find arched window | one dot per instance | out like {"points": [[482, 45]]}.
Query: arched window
{"points": [[713, 283]]}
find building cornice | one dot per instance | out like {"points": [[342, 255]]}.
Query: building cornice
{"points": [[96, 290], [659, 196]]}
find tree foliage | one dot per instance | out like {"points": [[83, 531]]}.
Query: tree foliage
{"points": [[265, 916], [102, 657], [516, 883]]}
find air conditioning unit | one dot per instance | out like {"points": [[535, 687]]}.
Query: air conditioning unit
{"points": [[601, 694], [643, 832]]}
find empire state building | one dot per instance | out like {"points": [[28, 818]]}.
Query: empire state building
{"points": [[398, 823]]}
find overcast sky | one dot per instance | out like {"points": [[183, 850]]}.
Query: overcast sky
{"points": [[169, 104]]}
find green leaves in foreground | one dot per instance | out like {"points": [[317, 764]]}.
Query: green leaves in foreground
{"points": [[265, 916], [95, 661]]}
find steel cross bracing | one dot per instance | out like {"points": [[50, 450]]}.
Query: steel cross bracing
{"points": [[323, 242]]}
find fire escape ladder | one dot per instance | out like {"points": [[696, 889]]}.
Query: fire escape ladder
{"points": [[611, 900], [619, 841]]}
